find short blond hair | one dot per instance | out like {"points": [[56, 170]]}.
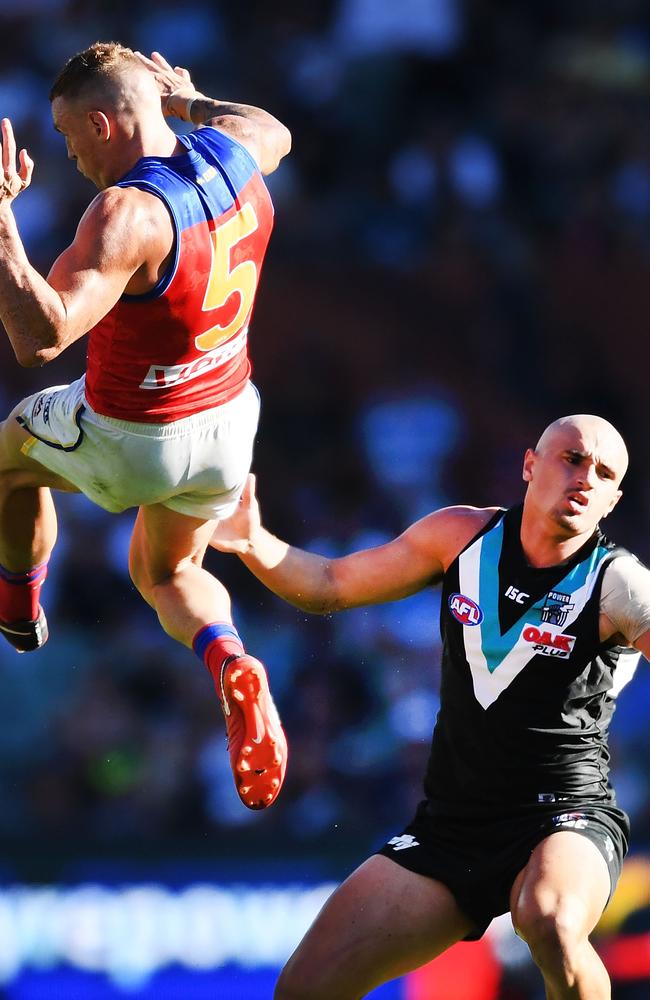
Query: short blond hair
{"points": [[95, 65]]}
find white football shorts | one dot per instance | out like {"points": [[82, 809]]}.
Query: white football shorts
{"points": [[196, 466]]}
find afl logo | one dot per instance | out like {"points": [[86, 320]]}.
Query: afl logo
{"points": [[465, 610]]}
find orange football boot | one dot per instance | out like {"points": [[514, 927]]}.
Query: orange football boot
{"points": [[256, 741]]}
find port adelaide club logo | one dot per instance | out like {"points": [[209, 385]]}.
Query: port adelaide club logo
{"points": [[547, 641], [465, 610], [557, 608]]}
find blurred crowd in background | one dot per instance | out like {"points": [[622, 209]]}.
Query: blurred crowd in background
{"points": [[462, 254]]}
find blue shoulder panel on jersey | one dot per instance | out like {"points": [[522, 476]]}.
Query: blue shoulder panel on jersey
{"points": [[200, 184], [212, 143]]}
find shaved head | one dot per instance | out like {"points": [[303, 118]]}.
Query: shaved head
{"points": [[586, 431], [574, 476]]}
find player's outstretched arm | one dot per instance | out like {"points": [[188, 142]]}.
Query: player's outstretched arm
{"points": [[266, 138], [320, 585]]}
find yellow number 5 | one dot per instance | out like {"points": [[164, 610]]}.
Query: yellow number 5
{"points": [[224, 281]]}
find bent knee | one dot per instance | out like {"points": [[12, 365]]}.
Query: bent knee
{"points": [[12, 439], [141, 577], [137, 572], [142, 572], [147, 581], [552, 932]]}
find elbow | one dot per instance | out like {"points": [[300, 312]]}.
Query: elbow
{"points": [[29, 359], [285, 142], [328, 598], [275, 149], [36, 359], [321, 609], [45, 355], [37, 351], [311, 606]]}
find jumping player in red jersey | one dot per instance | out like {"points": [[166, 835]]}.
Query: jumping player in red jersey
{"points": [[162, 276]]}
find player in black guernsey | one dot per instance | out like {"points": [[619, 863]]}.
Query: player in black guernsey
{"points": [[543, 619], [523, 662]]}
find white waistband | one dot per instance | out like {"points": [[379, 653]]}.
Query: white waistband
{"points": [[172, 428]]}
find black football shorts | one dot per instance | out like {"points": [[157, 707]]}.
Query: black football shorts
{"points": [[479, 857]]}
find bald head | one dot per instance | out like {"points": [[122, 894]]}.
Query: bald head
{"points": [[587, 434], [574, 476]]}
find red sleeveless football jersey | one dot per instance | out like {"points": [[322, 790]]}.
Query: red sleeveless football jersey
{"points": [[182, 347]]}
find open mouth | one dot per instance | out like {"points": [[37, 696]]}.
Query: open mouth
{"points": [[578, 501]]}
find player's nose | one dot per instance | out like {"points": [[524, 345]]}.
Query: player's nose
{"points": [[588, 477]]}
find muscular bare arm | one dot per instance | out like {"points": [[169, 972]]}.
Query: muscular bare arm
{"points": [[387, 573], [266, 138], [121, 232]]}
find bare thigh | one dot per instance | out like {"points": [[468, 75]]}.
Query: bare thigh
{"points": [[25, 472], [381, 923], [163, 541]]}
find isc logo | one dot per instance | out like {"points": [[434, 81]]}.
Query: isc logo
{"points": [[517, 595], [465, 610]]}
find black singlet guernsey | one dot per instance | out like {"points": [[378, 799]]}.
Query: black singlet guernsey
{"points": [[527, 686]]}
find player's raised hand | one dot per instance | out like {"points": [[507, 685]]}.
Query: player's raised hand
{"points": [[236, 532], [13, 180], [173, 82]]}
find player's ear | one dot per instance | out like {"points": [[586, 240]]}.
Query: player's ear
{"points": [[100, 124], [529, 462], [613, 502]]}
